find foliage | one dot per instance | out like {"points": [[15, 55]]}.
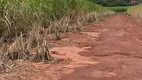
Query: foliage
{"points": [[19, 15], [119, 8], [110, 3]]}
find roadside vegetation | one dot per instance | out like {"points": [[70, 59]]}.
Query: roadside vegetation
{"points": [[119, 8], [18, 16], [25, 24], [135, 11]]}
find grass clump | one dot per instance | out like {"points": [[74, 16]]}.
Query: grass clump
{"points": [[119, 8], [135, 11]]}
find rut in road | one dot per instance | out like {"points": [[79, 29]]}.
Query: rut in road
{"points": [[118, 51]]}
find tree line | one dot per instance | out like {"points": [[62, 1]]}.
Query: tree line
{"points": [[110, 3]]}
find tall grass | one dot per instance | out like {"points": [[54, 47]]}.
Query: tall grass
{"points": [[19, 15], [135, 11]]}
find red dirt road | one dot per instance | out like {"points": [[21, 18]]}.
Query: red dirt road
{"points": [[118, 51], [109, 50]]}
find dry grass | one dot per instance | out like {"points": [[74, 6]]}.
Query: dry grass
{"points": [[33, 47], [135, 11], [22, 46]]}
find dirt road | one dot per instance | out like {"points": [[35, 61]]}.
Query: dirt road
{"points": [[118, 51], [109, 50]]}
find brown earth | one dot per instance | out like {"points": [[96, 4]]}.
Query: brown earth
{"points": [[109, 50]]}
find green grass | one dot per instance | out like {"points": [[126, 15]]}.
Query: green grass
{"points": [[20, 15], [119, 8]]}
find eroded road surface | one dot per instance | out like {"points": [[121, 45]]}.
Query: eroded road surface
{"points": [[117, 51], [109, 50]]}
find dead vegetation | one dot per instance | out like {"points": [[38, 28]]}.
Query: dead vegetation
{"points": [[135, 11], [22, 49]]}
